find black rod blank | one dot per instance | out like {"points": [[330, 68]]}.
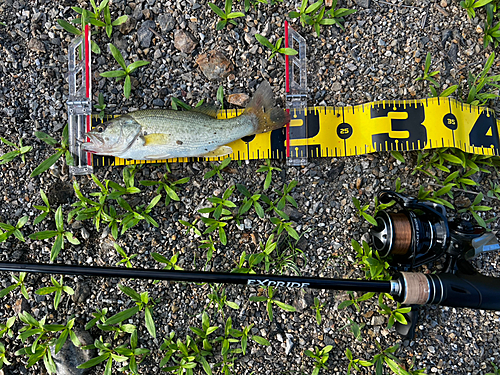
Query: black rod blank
{"points": [[201, 277]]}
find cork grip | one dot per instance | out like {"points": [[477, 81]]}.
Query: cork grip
{"points": [[416, 288]]}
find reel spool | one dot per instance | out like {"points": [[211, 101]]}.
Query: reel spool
{"points": [[417, 234]]}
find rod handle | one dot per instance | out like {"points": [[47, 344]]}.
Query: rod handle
{"points": [[465, 288], [475, 291]]}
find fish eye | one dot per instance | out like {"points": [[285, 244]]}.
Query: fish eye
{"points": [[100, 128]]}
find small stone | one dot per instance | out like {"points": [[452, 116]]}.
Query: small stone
{"points": [[157, 55], [377, 320], [289, 343], [363, 3], [328, 340], [249, 38], [351, 67], [85, 233], [443, 3], [248, 223], [337, 86], [158, 102], [20, 306], [462, 202], [69, 357], [36, 45], [144, 34], [129, 25], [239, 99], [293, 213], [334, 173], [138, 13], [82, 293], [214, 65], [184, 41], [77, 224], [453, 52], [368, 314], [167, 23], [359, 182]]}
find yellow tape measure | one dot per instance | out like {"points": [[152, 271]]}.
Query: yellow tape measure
{"points": [[403, 125]]}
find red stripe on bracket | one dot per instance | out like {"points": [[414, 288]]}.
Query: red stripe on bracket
{"points": [[87, 83], [287, 90]]}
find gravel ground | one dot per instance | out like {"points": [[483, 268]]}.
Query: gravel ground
{"points": [[377, 57]]}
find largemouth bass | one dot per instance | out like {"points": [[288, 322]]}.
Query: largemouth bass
{"points": [[154, 134]]}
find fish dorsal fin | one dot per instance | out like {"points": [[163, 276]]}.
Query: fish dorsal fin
{"points": [[219, 151], [206, 109], [155, 139], [262, 106]]}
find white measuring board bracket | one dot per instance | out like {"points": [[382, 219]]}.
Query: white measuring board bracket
{"points": [[79, 102], [296, 97]]}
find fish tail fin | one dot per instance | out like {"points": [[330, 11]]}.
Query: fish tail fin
{"points": [[263, 107]]}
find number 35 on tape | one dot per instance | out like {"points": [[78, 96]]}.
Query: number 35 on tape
{"points": [[393, 125]]}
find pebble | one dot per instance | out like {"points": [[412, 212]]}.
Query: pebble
{"points": [[127, 27], [20, 306], [351, 67], [69, 357], [85, 234], [184, 41], [158, 102], [363, 3], [214, 65], [336, 86], [377, 320], [167, 23], [82, 293], [144, 34], [293, 213], [36, 45], [289, 343], [240, 99], [247, 223]]}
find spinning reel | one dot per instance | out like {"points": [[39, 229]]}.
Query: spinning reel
{"points": [[420, 233]]}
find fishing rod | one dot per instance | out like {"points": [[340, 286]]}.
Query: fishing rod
{"points": [[418, 233]]}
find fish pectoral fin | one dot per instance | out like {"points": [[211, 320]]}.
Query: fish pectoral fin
{"points": [[155, 139], [219, 151]]}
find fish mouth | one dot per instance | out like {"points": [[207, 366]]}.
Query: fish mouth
{"points": [[96, 144]]}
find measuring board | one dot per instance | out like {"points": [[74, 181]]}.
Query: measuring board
{"points": [[402, 125], [365, 128]]}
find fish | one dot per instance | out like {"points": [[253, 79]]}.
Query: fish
{"points": [[155, 134]]}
